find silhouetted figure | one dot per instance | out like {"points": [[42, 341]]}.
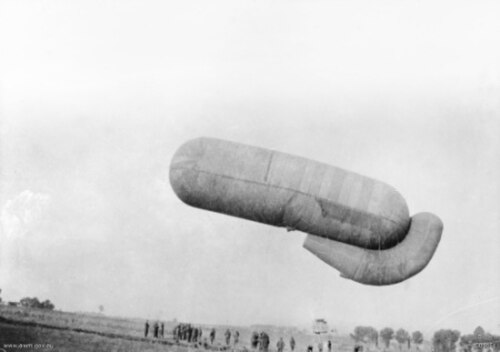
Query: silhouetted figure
{"points": [[162, 330], [195, 335], [292, 343], [280, 345], [227, 334], [190, 333], [176, 333], [155, 330], [320, 347], [264, 342], [254, 341], [146, 329], [236, 337], [309, 348], [212, 336], [329, 345]]}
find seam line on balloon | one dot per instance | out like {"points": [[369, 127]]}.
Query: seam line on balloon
{"points": [[282, 188], [268, 166]]}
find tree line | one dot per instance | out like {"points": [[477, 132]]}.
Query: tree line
{"points": [[31, 302], [369, 334], [444, 340]]}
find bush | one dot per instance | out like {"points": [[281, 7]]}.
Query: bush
{"points": [[35, 303]]}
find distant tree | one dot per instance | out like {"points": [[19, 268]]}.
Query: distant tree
{"points": [[358, 334], [387, 335], [496, 342], [477, 341], [401, 337], [30, 302], [478, 336], [445, 340], [47, 305], [417, 338], [479, 332], [365, 334], [374, 336], [35, 303]]}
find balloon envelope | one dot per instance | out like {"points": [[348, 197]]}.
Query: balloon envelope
{"points": [[356, 224], [289, 191]]}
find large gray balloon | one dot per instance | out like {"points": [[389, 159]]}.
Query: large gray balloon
{"points": [[293, 192]]}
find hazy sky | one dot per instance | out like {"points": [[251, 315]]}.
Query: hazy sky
{"points": [[96, 96]]}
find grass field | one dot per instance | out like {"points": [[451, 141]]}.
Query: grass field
{"points": [[24, 329], [46, 339]]}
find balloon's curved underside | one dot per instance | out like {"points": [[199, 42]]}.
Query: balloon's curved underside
{"points": [[356, 224]]}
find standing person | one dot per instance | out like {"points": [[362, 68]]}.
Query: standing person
{"points": [[261, 341], [155, 330], [329, 345], [280, 345], [227, 334], [292, 343], [162, 330], [254, 342], [176, 333], [195, 335], [236, 337], [212, 336], [264, 342], [320, 346], [146, 329]]}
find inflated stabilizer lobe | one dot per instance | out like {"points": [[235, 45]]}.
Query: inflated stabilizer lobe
{"points": [[289, 191], [382, 267]]}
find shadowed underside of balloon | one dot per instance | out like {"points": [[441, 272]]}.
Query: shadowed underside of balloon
{"points": [[340, 210], [382, 267]]}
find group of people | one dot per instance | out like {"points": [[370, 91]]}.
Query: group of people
{"points": [[258, 341], [227, 337], [187, 332], [280, 345], [158, 330], [261, 342], [320, 347]]}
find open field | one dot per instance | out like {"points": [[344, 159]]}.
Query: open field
{"points": [[61, 331], [46, 339]]}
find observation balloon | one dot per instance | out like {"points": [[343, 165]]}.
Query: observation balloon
{"points": [[336, 207]]}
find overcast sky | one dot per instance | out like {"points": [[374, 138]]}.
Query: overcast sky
{"points": [[96, 96]]}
